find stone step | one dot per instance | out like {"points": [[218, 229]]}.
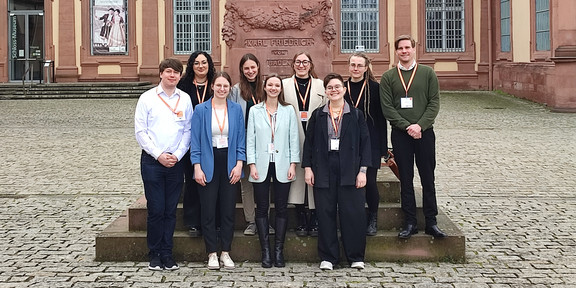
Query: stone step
{"points": [[389, 216], [73, 90], [116, 243]]}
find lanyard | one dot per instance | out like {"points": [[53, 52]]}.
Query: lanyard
{"points": [[198, 94], [272, 123], [218, 120], [176, 106], [359, 95], [406, 88], [334, 122], [305, 95]]}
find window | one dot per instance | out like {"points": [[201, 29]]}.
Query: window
{"points": [[360, 30], [445, 26], [192, 26], [505, 25], [542, 25]]}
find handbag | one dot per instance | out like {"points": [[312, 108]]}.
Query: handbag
{"points": [[391, 163]]}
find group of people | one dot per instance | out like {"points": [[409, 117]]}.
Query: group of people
{"points": [[318, 143]]}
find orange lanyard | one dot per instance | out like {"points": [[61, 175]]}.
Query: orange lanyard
{"points": [[359, 95], [173, 110], [406, 88], [272, 124], [334, 122], [218, 120], [198, 94], [305, 95]]}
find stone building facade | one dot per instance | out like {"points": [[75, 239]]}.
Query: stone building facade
{"points": [[523, 47]]}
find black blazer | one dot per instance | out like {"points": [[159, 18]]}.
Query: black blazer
{"points": [[354, 147]]}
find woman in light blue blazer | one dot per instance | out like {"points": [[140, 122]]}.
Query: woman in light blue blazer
{"points": [[272, 150], [217, 152]]}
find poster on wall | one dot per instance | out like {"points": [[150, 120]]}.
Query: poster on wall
{"points": [[109, 29]]}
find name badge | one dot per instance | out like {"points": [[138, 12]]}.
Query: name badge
{"points": [[303, 115], [180, 116], [334, 144], [271, 148], [222, 142], [406, 102]]}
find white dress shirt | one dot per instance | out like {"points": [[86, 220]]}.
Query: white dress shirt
{"points": [[158, 129]]}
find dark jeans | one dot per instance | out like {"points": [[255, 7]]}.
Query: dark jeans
{"points": [[406, 150], [262, 195], [347, 203], [218, 193], [162, 188]]}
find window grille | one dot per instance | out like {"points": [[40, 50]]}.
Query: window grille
{"points": [[445, 26], [505, 25], [192, 26], [359, 30], [542, 25]]}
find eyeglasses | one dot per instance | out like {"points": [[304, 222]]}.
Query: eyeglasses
{"points": [[303, 63], [335, 87], [359, 66]]}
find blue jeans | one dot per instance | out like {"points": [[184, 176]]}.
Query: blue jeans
{"points": [[162, 187]]}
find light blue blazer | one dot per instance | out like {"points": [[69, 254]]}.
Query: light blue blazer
{"points": [[286, 141], [201, 150]]}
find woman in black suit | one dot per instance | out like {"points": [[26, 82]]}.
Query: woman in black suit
{"points": [[335, 158]]}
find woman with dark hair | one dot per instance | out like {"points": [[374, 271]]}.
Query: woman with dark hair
{"points": [[217, 153], [247, 93], [336, 155], [197, 81], [305, 92], [272, 152], [363, 92]]}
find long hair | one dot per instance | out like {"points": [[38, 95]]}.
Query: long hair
{"points": [[187, 80], [368, 75], [245, 87], [281, 98], [311, 71]]}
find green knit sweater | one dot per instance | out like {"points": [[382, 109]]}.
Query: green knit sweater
{"points": [[424, 92]]}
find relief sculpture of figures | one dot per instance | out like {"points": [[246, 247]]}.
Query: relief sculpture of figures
{"points": [[282, 18]]}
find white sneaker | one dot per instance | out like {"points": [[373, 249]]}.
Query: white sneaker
{"points": [[325, 265], [226, 261], [357, 265], [213, 263]]}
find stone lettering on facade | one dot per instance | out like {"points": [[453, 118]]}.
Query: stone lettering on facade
{"points": [[279, 42]]}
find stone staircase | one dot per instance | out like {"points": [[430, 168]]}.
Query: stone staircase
{"points": [[125, 238], [78, 90]]}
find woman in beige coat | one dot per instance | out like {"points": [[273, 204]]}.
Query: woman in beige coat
{"points": [[305, 92]]}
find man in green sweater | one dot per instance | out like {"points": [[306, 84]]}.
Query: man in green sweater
{"points": [[410, 101]]}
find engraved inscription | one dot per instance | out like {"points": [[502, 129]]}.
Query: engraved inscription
{"points": [[279, 52], [279, 42], [279, 62]]}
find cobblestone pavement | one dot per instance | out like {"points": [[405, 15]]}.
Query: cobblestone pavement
{"points": [[505, 175]]}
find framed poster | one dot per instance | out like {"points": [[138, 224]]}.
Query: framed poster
{"points": [[109, 27]]}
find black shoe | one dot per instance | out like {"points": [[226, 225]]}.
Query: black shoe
{"points": [[195, 232], [302, 227], [155, 263], [435, 231], [169, 263], [409, 230], [372, 228]]}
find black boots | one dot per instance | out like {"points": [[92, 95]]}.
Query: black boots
{"points": [[302, 228], [372, 228], [313, 224], [281, 225], [262, 228]]}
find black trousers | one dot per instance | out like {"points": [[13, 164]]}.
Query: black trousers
{"points": [[218, 192], [162, 187], [372, 194], [423, 151], [262, 195], [191, 200], [347, 204]]}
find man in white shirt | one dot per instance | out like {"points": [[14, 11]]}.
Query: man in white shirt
{"points": [[162, 124]]}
